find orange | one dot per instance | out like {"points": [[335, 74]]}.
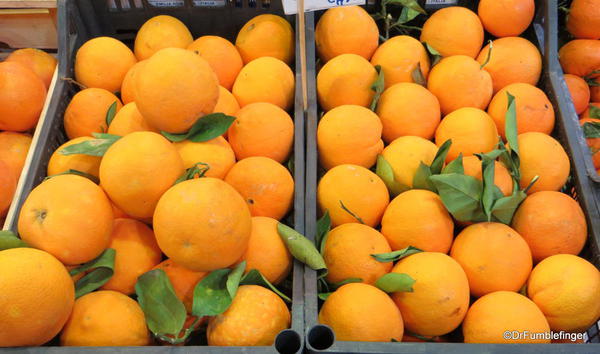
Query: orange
{"points": [[403, 226], [595, 92], [13, 150], [266, 251], [593, 143], [137, 169], [266, 35], [534, 111], [136, 253], [408, 109], [346, 79], [506, 18], [587, 112], [265, 79], [128, 85], [222, 56], [346, 30], [551, 223], [362, 312], [183, 280], [440, 296], [22, 96], [8, 185], [40, 62], [105, 318], [349, 134], [347, 254], [567, 290], [405, 154], [494, 257], [34, 304], [227, 103], [266, 186], [262, 129], [69, 217], [86, 113], [458, 81], [491, 316], [398, 57], [580, 56], [183, 83], [217, 153], [158, 33], [583, 20], [360, 191], [513, 59], [60, 163], [542, 155], [453, 30], [471, 130], [579, 91], [95, 67], [502, 178], [129, 120], [202, 224], [254, 318]]}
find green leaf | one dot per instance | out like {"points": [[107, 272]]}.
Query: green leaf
{"points": [[206, 128], [78, 173], [489, 55], [386, 173], [394, 282], [417, 75], [411, 4], [323, 227], [351, 213], [591, 130], [396, 255], [418, 336], [337, 285], [198, 169], [254, 277], [300, 247], [406, 15], [594, 112], [103, 269], [440, 157], [164, 312], [233, 280], [455, 166], [94, 147], [211, 296], [505, 207], [511, 125], [324, 296], [461, 195], [378, 86], [488, 195], [10, 240], [434, 54], [421, 178], [110, 114]]}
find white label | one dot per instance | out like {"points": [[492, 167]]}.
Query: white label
{"points": [[440, 2], [290, 7], [166, 3]]}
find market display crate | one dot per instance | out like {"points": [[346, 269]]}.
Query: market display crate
{"points": [[81, 20], [543, 33]]}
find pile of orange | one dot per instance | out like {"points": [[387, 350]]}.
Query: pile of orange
{"points": [[478, 278]]}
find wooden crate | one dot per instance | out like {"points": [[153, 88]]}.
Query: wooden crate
{"points": [[28, 24]]}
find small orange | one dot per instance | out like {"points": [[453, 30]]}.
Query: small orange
{"points": [[84, 163], [42, 63], [217, 153], [266, 35], [502, 178], [222, 56], [129, 120], [158, 33], [398, 57], [583, 20], [8, 185], [184, 281], [580, 92], [405, 154], [542, 155], [86, 113], [506, 18], [580, 56], [13, 150], [227, 103], [128, 85]]}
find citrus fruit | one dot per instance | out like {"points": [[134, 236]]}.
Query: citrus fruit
{"points": [[580, 56], [183, 281], [266, 35], [129, 120], [128, 85], [222, 56], [60, 163], [227, 103], [217, 153], [595, 93], [592, 143], [40, 62], [506, 18], [86, 113], [399, 57], [583, 20], [158, 33], [502, 178], [13, 150], [579, 91], [588, 111], [405, 154], [8, 185]]}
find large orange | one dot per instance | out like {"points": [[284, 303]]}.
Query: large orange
{"points": [[440, 296], [583, 20], [362, 312], [222, 56], [506, 18], [86, 113], [579, 91], [454, 30], [403, 225], [202, 224], [184, 84], [266, 35], [59, 163], [408, 109], [158, 33], [184, 281], [129, 120], [349, 134], [37, 297], [502, 178], [217, 153], [399, 57], [128, 85], [347, 253], [8, 185], [13, 150], [42, 63], [266, 186], [22, 96], [359, 190], [494, 257], [137, 169], [405, 154], [580, 56], [346, 79], [458, 81], [493, 315], [551, 223], [69, 217]]}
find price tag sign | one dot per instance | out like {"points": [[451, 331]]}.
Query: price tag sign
{"points": [[290, 7]]}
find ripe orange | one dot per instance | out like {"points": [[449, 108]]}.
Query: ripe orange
{"points": [[158, 33], [362, 312], [494, 257], [506, 18], [222, 56], [128, 85], [592, 143], [40, 62], [266, 186], [360, 190], [541, 155], [580, 56], [502, 178], [583, 20], [349, 134], [129, 120], [408, 109], [217, 153], [8, 185], [183, 280], [405, 154], [403, 225], [347, 253], [59, 163], [440, 296], [266, 35], [580, 92], [13, 151], [595, 93], [227, 103], [346, 30], [202, 224], [86, 113], [37, 297], [69, 217], [491, 316], [399, 57], [453, 30]]}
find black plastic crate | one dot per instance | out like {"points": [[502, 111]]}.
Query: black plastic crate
{"points": [[542, 33], [81, 20]]}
